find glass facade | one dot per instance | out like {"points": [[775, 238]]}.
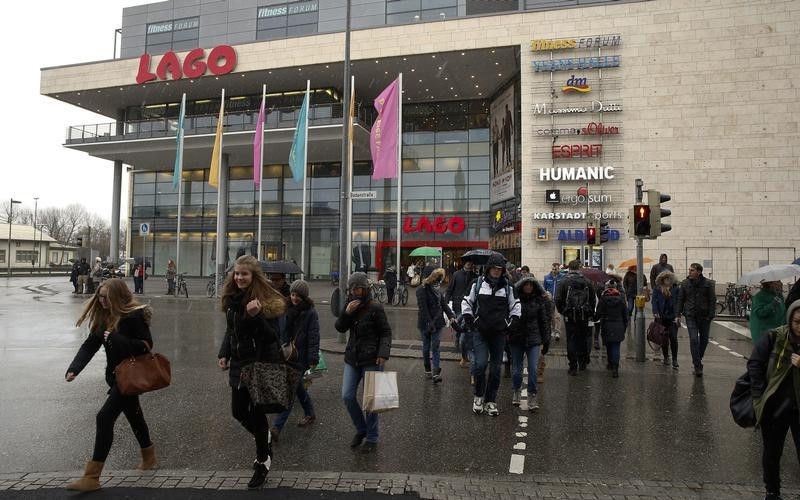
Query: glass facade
{"points": [[410, 11], [287, 20], [177, 35]]}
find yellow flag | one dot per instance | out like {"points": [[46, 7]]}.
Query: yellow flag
{"points": [[213, 177]]}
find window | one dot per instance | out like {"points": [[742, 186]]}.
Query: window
{"points": [[26, 256], [176, 35], [411, 11], [287, 20], [475, 7], [2, 256]]}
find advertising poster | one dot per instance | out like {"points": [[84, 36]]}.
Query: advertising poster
{"points": [[501, 136]]}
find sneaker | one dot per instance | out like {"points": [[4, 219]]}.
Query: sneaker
{"points": [[516, 397], [675, 364], [557, 336], [356, 441], [307, 420], [368, 447], [477, 405], [491, 409], [533, 405], [260, 471], [437, 377], [428, 374]]}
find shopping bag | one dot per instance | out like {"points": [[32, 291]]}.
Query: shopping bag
{"points": [[380, 392], [321, 367]]}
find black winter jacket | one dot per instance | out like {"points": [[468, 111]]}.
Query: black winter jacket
{"points": [[613, 313], [370, 334], [432, 307], [302, 326], [133, 330], [248, 339], [697, 298], [459, 287], [534, 325]]}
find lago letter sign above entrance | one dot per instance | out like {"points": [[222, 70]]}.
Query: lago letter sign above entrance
{"points": [[220, 61]]}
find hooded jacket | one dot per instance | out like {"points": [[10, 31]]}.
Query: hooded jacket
{"points": [[534, 325], [612, 309], [768, 311], [665, 307], [302, 327], [370, 334], [492, 305], [248, 339], [431, 302]]}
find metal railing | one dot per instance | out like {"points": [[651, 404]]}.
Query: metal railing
{"points": [[322, 114]]}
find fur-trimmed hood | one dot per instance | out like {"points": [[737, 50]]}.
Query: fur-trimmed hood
{"points": [[662, 276], [147, 312], [434, 276]]}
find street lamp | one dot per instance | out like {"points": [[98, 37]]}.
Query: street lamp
{"points": [[10, 219]]}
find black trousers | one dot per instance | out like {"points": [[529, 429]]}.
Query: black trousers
{"points": [[774, 433], [672, 329], [252, 419], [115, 404], [578, 338]]}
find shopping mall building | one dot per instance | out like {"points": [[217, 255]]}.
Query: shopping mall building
{"points": [[524, 121]]}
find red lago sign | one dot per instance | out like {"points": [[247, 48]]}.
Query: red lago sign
{"points": [[438, 225], [220, 61]]}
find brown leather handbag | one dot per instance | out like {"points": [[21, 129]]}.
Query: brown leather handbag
{"points": [[144, 373]]}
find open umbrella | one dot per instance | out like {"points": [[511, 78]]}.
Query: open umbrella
{"points": [[772, 272], [596, 276], [625, 264], [425, 252], [479, 256]]}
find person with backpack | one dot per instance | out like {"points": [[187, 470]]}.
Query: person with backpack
{"points": [[575, 300], [430, 320], [492, 309]]}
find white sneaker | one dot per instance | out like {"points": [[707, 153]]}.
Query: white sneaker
{"points": [[516, 398], [533, 405], [477, 405], [491, 409]]}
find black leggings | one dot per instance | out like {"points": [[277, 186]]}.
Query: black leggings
{"points": [[107, 417], [672, 329], [255, 421], [773, 431]]}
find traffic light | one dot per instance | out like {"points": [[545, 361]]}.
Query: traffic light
{"points": [[603, 232], [654, 200], [79, 241], [641, 220], [591, 235]]}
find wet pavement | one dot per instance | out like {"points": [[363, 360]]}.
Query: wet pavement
{"points": [[654, 425]]}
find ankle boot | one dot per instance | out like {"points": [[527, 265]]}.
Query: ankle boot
{"points": [[91, 478], [149, 461]]}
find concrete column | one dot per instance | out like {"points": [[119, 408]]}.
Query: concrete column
{"points": [[222, 219], [113, 251]]}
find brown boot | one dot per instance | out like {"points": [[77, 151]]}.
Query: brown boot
{"points": [[91, 478], [149, 461]]}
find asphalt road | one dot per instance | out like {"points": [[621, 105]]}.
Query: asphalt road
{"points": [[651, 423]]}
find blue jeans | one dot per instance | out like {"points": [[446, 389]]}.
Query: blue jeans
{"points": [[487, 350], [612, 351], [532, 353], [305, 402], [430, 347], [367, 425], [698, 338]]}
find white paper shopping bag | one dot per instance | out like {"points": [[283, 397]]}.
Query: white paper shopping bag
{"points": [[380, 391]]}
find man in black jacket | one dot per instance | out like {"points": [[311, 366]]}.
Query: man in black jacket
{"points": [[575, 301], [696, 302], [459, 287], [659, 267]]}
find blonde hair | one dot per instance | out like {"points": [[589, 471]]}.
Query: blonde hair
{"points": [[665, 288], [120, 303], [259, 288]]}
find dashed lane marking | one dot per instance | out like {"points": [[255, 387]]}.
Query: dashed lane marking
{"points": [[520, 446], [517, 465], [730, 325]]}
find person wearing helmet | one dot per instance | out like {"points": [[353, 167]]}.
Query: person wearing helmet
{"points": [[492, 311]]}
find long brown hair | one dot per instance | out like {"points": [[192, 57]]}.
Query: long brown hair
{"points": [[120, 303], [259, 288], [666, 289]]}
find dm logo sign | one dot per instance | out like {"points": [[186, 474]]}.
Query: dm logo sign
{"points": [[576, 85]]}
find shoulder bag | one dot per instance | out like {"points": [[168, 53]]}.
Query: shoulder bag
{"points": [[144, 373], [741, 403], [271, 385], [657, 335]]}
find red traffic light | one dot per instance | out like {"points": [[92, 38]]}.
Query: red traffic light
{"points": [[641, 220], [591, 235]]}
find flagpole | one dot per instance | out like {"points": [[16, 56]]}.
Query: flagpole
{"points": [[305, 183], [221, 185], [180, 185], [399, 167], [261, 169], [349, 170]]}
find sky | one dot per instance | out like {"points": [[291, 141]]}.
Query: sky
{"points": [[34, 128]]}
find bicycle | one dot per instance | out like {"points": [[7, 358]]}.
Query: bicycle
{"points": [[180, 285], [213, 283], [737, 301], [378, 290], [400, 294]]}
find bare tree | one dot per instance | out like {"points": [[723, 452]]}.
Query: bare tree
{"points": [[63, 224]]}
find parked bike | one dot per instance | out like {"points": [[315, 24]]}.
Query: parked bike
{"points": [[737, 301], [180, 286], [400, 294]]}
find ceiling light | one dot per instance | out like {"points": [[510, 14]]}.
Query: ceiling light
{"points": [[492, 51], [299, 69], [376, 62], [405, 59], [434, 56], [451, 88], [480, 93], [499, 74], [413, 70], [420, 81], [472, 76], [191, 81], [385, 72], [269, 72], [497, 64], [462, 53], [99, 91], [327, 66], [476, 86], [78, 93]]}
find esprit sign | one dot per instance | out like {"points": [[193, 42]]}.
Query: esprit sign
{"points": [[438, 225], [221, 60]]}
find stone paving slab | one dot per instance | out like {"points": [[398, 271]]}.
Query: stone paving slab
{"points": [[433, 487]]}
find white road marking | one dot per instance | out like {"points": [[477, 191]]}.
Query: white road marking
{"points": [[519, 446], [522, 434], [724, 348], [730, 325], [522, 419], [517, 465], [714, 342]]}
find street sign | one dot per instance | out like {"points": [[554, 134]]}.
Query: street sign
{"points": [[144, 229], [363, 195]]}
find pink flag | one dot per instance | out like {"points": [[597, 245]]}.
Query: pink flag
{"points": [[383, 139], [257, 145]]}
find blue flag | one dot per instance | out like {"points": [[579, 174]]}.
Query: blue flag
{"points": [[297, 155], [176, 173]]}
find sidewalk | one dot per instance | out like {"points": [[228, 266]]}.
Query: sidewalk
{"points": [[448, 487]]}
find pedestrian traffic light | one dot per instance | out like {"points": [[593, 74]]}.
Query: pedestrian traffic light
{"points": [[591, 235], [641, 220], [79, 241], [603, 232], [654, 200]]}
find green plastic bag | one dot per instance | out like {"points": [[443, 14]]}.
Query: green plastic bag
{"points": [[321, 367]]}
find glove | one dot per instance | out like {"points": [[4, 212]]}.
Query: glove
{"points": [[469, 321], [545, 348]]}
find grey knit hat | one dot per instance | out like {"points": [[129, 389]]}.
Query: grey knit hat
{"points": [[299, 287], [789, 310], [358, 280]]}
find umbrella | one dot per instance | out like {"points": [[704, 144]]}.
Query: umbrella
{"points": [[479, 256], [425, 252], [772, 272], [596, 276], [625, 264]]}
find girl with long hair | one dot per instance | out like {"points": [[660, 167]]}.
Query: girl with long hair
{"points": [[122, 326], [252, 309], [665, 310]]}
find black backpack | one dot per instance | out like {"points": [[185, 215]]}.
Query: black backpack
{"points": [[577, 305]]}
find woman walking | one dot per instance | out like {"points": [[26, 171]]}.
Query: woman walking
{"points": [[368, 348], [665, 301], [252, 308], [531, 338], [430, 320], [302, 328], [122, 326], [613, 314]]}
